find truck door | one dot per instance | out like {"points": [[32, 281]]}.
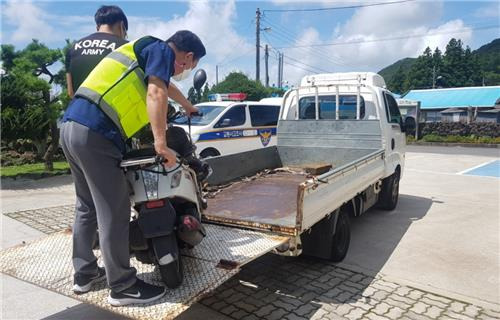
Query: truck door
{"points": [[396, 139]]}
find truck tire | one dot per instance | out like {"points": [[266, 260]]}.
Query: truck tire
{"points": [[172, 274], [389, 194], [341, 238]]}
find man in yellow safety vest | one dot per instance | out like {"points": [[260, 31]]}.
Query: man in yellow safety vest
{"points": [[128, 89]]}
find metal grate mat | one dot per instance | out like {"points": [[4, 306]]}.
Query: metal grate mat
{"points": [[47, 263]]}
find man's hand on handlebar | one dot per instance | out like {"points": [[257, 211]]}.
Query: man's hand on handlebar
{"points": [[167, 154], [190, 110]]}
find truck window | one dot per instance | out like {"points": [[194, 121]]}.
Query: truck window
{"points": [[232, 118], [263, 116], [327, 106], [392, 109]]}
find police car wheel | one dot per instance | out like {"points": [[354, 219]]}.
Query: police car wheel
{"points": [[209, 153]]}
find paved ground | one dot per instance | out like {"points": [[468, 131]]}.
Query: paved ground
{"points": [[436, 256]]}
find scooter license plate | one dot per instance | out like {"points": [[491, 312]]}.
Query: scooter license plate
{"points": [[157, 222]]}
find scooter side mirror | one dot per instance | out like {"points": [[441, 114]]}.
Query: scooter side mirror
{"points": [[199, 79]]}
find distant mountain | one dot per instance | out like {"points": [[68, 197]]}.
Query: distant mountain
{"points": [[488, 54], [491, 48], [389, 71]]}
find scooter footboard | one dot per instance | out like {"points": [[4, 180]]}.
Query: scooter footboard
{"points": [[157, 222]]}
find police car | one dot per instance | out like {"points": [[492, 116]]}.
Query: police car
{"points": [[228, 124]]}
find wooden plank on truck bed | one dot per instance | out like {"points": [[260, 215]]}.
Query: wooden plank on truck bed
{"points": [[316, 168], [47, 263]]}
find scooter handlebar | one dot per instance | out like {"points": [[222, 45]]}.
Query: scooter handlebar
{"points": [[144, 161]]}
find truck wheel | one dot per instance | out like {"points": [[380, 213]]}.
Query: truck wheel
{"points": [[389, 194], [341, 238], [172, 274], [210, 152]]}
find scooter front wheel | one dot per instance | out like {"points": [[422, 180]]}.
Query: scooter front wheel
{"points": [[172, 273]]}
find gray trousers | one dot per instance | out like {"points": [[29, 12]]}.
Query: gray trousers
{"points": [[102, 201]]}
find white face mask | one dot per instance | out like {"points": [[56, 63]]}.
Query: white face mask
{"points": [[183, 75]]}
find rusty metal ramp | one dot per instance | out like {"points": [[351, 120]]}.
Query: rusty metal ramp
{"points": [[47, 263]]}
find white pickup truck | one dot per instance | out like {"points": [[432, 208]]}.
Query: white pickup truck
{"points": [[345, 129], [345, 124]]}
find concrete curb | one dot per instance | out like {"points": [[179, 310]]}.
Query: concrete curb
{"points": [[448, 144]]}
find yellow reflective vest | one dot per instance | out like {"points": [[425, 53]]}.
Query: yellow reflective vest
{"points": [[117, 86]]}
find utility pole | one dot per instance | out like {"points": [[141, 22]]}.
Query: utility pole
{"points": [[433, 77], [279, 70], [267, 65], [257, 45], [216, 74]]}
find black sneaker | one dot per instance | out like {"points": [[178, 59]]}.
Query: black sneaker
{"points": [[83, 283], [141, 292]]}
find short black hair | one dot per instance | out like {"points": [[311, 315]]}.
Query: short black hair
{"points": [[110, 15], [187, 41]]}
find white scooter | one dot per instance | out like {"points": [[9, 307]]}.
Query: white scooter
{"points": [[168, 205]]}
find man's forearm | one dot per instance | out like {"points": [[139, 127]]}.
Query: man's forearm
{"points": [[177, 95], [157, 111]]}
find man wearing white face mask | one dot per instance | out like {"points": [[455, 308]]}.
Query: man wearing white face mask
{"points": [[128, 89]]}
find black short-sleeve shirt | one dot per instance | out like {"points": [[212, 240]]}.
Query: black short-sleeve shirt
{"points": [[87, 52]]}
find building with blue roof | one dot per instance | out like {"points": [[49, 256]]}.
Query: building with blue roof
{"points": [[454, 104]]}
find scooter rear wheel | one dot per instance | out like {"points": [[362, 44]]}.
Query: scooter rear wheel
{"points": [[172, 274]]}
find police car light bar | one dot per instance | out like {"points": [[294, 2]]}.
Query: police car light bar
{"points": [[227, 96]]}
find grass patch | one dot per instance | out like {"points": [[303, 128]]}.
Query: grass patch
{"points": [[34, 170], [460, 139]]}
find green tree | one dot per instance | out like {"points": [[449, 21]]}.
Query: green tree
{"points": [[29, 110], [397, 83], [420, 74], [192, 96], [473, 72], [239, 82], [453, 64]]}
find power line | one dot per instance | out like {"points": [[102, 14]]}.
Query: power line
{"points": [[337, 8], [306, 52], [289, 36], [220, 63], [284, 32], [307, 65], [389, 39], [300, 67]]}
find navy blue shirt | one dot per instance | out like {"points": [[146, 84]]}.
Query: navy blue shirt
{"points": [[158, 61]]}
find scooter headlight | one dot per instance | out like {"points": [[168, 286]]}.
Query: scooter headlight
{"points": [[150, 180]]}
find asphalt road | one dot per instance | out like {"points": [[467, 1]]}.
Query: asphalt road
{"points": [[435, 256]]}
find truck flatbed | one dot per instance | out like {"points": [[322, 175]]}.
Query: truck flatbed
{"points": [[266, 202], [47, 263]]}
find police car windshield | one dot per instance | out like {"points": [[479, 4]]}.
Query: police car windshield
{"points": [[208, 114]]}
